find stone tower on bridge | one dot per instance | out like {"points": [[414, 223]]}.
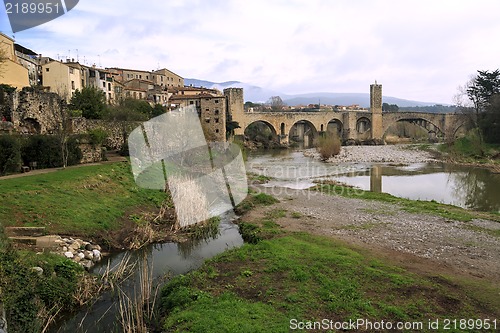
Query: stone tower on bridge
{"points": [[376, 110]]}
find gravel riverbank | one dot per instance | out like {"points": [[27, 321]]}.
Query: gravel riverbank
{"points": [[400, 154]]}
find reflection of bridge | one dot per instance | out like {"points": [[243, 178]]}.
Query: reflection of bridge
{"points": [[359, 125]]}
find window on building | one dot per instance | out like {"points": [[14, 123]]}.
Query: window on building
{"points": [[83, 83], [216, 101], [147, 77], [217, 130], [104, 85], [216, 112], [73, 85], [161, 78], [140, 76], [191, 102], [47, 69], [207, 120], [207, 110], [217, 120], [109, 86], [71, 70]]}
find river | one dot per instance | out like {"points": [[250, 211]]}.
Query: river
{"points": [[468, 187], [463, 186]]}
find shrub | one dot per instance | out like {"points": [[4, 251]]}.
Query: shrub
{"points": [[97, 136], [328, 146], [46, 151], [10, 154]]}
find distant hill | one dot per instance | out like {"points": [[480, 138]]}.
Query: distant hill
{"points": [[261, 95], [250, 92]]}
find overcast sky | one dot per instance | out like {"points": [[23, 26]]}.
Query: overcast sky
{"points": [[420, 50]]}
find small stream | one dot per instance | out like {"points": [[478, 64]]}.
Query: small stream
{"points": [[165, 260]]}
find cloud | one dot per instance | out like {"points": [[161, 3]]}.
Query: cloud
{"points": [[419, 50]]}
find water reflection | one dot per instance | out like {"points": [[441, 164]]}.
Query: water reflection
{"points": [[468, 187]]}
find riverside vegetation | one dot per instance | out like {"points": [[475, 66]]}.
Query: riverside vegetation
{"points": [[98, 202], [280, 275]]}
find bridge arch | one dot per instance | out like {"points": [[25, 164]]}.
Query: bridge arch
{"points": [[335, 125], [363, 125], [261, 130], [303, 131], [432, 125]]}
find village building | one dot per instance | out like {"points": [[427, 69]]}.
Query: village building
{"points": [[11, 71]]}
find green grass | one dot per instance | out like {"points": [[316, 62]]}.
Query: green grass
{"points": [[468, 150], [306, 277], [28, 298], [411, 206], [253, 200], [83, 200], [258, 178]]}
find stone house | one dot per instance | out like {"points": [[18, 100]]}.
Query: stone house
{"points": [[166, 78], [211, 107], [63, 78]]}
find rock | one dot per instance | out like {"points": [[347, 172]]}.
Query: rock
{"points": [[97, 255], [77, 259], [65, 249], [88, 255], [37, 270], [96, 247], [87, 264], [80, 255], [69, 255], [88, 247], [74, 247]]}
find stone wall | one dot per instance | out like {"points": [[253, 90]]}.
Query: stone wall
{"points": [[115, 130], [90, 153], [32, 111]]}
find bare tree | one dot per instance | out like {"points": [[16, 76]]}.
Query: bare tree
{"points": [[467, 102], [276, 103]]}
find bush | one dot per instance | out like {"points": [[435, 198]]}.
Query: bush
{"points": [[46, 151], [98, 136], [28, 299], [10, 154], [328, 146]]}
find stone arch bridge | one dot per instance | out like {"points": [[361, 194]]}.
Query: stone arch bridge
{"points": [[351, 125]]}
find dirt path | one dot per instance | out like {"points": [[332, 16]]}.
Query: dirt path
{"points": [[421, 242]]}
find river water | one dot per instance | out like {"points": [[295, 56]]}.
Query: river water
{"points": [[164, 261], [467, 187]]}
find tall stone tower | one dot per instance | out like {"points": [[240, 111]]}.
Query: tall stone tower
{"points": [[376, 110], [234, 107]]}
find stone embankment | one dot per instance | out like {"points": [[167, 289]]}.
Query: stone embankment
{"points": [[82, 252], [400, 154]]}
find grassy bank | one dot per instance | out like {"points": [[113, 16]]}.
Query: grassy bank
{"points": [[87, 201], [32, 299], [80, 201], [283, 276], [468, 150]]}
